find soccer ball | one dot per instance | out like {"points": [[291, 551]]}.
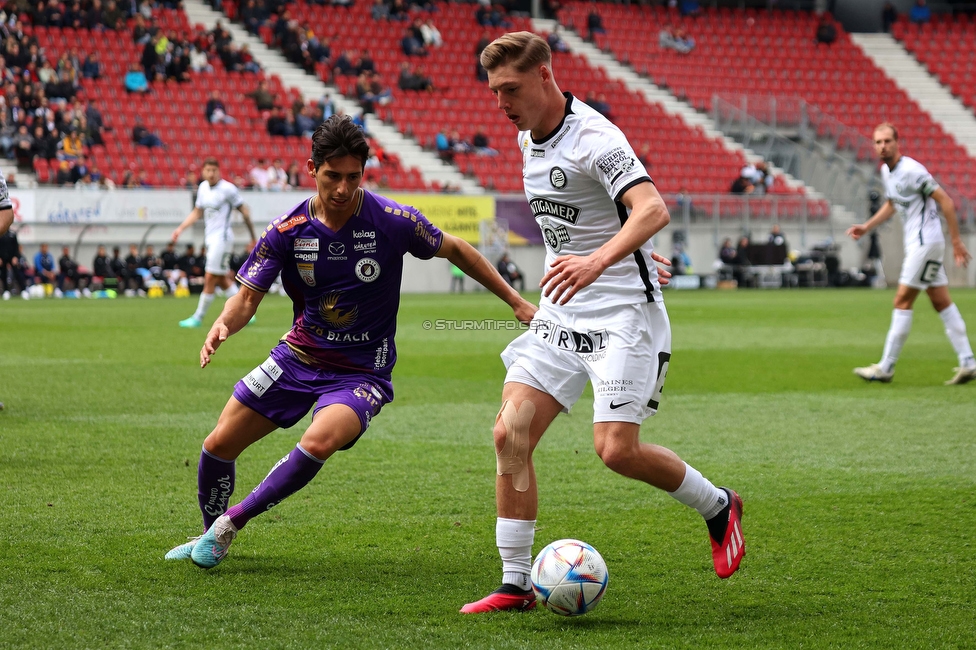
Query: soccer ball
{"points": [[569, 577]]}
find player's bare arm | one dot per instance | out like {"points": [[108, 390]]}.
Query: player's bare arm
{"points": [[885, 212], [648, 216], [235, 315], [192, 218], [246, 215], [6, 219], [959, 252], [464, 256]]}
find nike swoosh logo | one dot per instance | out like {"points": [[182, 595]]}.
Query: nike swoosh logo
{"points": [[616, 406]]}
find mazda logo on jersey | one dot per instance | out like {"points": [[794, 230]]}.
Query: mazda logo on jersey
{"points": [[557, 178], [337, 248], [562, 211]]}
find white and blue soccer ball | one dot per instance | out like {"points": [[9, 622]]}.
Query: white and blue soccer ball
{"points": [[569, 577]]}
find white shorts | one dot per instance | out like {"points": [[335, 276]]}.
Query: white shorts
{"points": [[623, 350], [219, 251], [923, 268]]}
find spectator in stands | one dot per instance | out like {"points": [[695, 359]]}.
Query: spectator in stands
{"points": [[306, 121], [380, 10], [365, 63], [411, 45], [431, 35], [198, 60], [276, 124], [598, 103], [44, 144], [457, 143], [345, 65], [92, 67], [594, 24], [136, 80], [143, 136], [443, 146], [133, 280], [277, 177], [556, 42], [259, 175], [63, 176], [510, 272], [262, 96], [742, 185], [294, 176], [151, 265], [140, 32], [168, 261], [45, 270], [888, 16], [758, 175], [215, 111], [727, 253], [411, 78], [689, 8], [920, 13], [481, 144], [23, 146], [80, 169], [826, 32], [71, 146], [675, 39]]}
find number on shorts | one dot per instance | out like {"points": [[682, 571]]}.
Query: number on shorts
{"points": [[663, 358], [930, 270]]}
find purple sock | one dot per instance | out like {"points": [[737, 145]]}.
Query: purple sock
{"points": [[289, 475], [215, 484]]}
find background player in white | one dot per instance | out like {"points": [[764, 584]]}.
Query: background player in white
{"points": [[6, 219], [914, 194], [216, 201], [601, 316]]}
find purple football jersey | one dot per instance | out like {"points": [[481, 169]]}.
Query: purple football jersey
{"points": [[345, 285]]}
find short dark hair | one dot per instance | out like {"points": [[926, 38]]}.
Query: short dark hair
{"points": [[337, 137], [211, 161]]}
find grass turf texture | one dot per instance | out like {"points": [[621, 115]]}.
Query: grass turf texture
{"points": [[859, 498]]}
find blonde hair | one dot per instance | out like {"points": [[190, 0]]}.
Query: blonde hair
{"points": [[521, 50]]}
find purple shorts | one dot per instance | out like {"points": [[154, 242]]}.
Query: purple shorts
{"points": [[283, 389]]}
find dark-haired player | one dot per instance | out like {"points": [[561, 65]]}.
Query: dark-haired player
{"points": [[340, 255]]}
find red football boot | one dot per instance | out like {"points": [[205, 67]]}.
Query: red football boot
{"points": [[730, 552], [505, 598]]}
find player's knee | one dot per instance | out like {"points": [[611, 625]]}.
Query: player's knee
{"points": [[615, 455], [513, 442]]}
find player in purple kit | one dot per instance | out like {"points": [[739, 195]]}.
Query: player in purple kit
{"points": [[340, 256]]}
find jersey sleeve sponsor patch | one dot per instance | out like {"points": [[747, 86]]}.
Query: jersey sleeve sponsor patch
{"points": [[291, 222]]}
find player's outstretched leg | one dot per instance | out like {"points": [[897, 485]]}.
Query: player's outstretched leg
{"points": [[210, 549], [514, 538], [505, 598], [725, 531]]}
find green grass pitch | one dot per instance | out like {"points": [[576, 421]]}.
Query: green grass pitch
{"points": [[860, 499]]}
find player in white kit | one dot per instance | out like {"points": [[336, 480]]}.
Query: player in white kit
{"points": [[918, 199], [216, 201], [601, 317]]}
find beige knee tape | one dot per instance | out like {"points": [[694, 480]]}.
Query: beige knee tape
{"points": [[514, 457]]}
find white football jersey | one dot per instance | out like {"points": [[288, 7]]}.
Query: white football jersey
{"points": [[218, 204], [909, 187], [574, 179], [5, 203]]}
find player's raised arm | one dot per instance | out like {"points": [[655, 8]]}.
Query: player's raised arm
{"points": [[464, 256], [885, 212], [191, 218], [959, 252], [648, 216], [237, 311]]}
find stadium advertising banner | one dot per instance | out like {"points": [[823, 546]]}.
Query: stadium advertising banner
{"points": [[23, 204], [456, 214], [76, 207]]}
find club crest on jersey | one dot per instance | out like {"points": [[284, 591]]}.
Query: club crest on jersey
{"points": [[367, 269], [557, 178], [307, 271], [306, 244], [555, 234]]}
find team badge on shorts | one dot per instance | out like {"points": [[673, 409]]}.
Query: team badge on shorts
{"points": [[557, 177], [367, 269]]}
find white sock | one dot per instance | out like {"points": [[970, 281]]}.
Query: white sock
{"points": [[901, 325], [955, 329], [203, 305], [232, 290], [514, 538], [697, 492]]}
